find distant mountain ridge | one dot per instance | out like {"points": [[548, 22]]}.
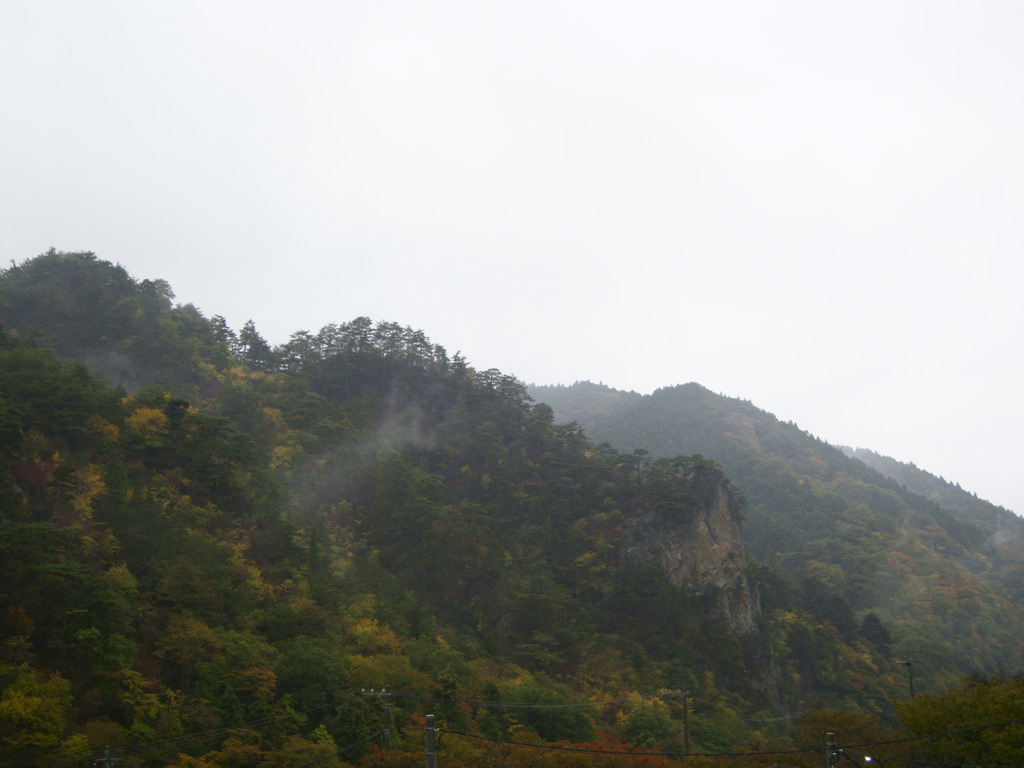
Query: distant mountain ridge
{"points": [[816, 512], [949, 495], [583, 401], [590, 404]]}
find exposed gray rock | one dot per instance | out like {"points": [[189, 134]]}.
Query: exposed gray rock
{"points": [[701, 546]]}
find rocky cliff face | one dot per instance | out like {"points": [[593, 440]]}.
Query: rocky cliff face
{"points": [[700, 546]]}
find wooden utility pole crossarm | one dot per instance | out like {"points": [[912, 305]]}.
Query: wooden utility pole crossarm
{"points": [[385, 696]]}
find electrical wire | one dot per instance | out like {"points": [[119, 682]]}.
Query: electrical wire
{"points": [[350, 747], [792, 716], [263, 722], [631, 752], [929, 737], [254, 725], [858, 747], [957, 732], [524, 705]]}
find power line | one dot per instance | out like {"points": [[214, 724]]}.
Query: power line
{"points": [[360, 743], [632, 752], [943, 734], [858, 747], [791, 716], [185, 738], [531, 705]]}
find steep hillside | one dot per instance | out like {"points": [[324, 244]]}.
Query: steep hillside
{"points": [[211, 557], [948, 495], [583, 401], [945, 583], [210, 548], [124, 329]]}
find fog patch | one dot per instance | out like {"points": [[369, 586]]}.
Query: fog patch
{"points": [[118, 369]]}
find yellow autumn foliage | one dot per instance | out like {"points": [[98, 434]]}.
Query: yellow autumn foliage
{"points": [[88, 488], [150, 424], [373, 637], [103, 429]]}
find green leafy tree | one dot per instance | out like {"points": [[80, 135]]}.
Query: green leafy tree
{"points": [[980, 721], [649, 724], [874, 632]]}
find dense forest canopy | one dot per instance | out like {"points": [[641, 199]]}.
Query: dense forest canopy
{"points": [[215, 551]]}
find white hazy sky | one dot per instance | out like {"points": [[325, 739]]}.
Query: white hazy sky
{"points": [[816, 206]]}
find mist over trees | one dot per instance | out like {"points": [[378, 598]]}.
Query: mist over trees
{"points": [[212, 548]]}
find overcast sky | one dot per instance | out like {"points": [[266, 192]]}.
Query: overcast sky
{"points": [[815, 206]]}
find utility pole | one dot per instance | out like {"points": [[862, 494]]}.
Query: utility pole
{"points": [[686, 723], [686, 714], [385, 696], [909, 664], [430, 739], [831, 752]]}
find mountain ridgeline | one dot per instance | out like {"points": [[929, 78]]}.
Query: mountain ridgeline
{"points": [[940, 567], [211, 548]]}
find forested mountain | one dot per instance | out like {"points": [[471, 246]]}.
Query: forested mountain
{"points": [[212, 549], [948, 495], [940, 569]]}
